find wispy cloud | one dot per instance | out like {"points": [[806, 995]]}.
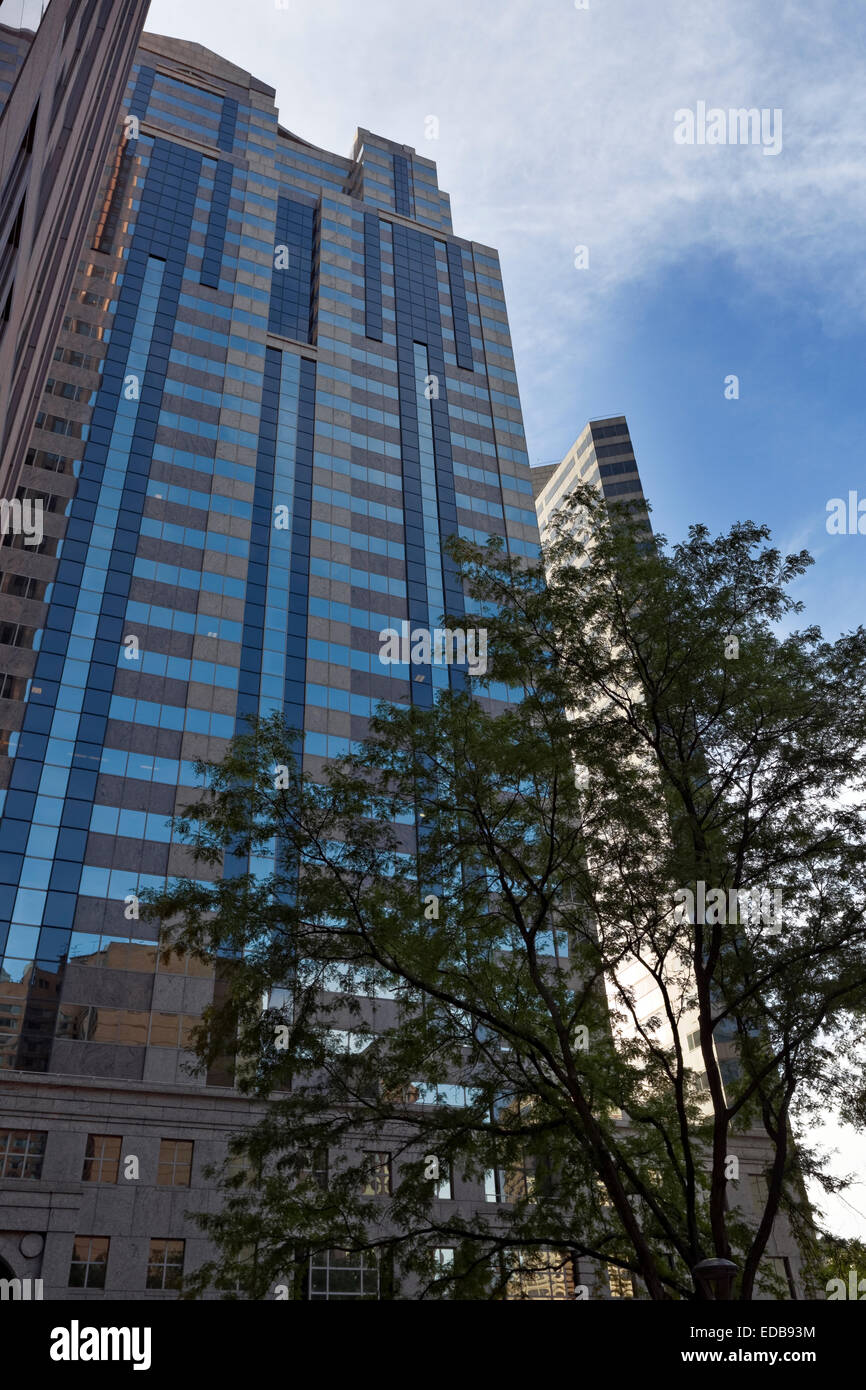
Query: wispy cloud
{"points": [[556, 130], [556, 124]]}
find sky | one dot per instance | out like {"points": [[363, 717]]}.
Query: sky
{"points": [[556, 124], [555, 130]]}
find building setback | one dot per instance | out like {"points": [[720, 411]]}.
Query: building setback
{"points": [[60, 90], [280, 381], [602, 456]]}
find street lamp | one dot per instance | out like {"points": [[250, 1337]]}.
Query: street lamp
{"points": [[714, 1279]]}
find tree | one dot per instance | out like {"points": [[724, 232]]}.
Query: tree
{"points": [[840, 1267], [503, 871]]}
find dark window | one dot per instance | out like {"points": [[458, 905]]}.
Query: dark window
{"points": [[377, 1178], [165, 1264], [14, 635], [315, 1166], [21, 1153], [89, 1262], [11, 687], [344, 1274], [52, 463]]}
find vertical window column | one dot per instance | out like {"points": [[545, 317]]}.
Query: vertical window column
{"points": [[429, 501], [372, 277], [459, 307], [141, 93], [403, 200], [228, 124], [299, 577], [214, 244], [261, 532], [290, 312]]}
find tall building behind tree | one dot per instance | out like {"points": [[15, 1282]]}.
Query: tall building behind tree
{"points": [[603, 457], [280, 381]]}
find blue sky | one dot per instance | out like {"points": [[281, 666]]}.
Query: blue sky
{"points": [[556, 130]]}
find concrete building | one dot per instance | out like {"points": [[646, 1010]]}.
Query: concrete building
{"points": [[60, 89], [601, 456]]}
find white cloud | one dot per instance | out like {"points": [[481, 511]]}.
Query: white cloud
{"points": [[556, 128]]}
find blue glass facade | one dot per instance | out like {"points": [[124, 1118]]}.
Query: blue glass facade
{"points": [[275, 399]]}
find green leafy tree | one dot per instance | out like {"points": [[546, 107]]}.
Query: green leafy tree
{"points": [[838, 1258], [498, 877]]}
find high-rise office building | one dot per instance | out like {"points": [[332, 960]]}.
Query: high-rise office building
{"points": [[280, 381], [60, 89], [603, 457]]}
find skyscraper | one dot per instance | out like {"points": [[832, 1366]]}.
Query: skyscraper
{"points": [[603, 457], [60, 88], [281, 381]]}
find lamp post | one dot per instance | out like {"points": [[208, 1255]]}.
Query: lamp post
{"points": [[714, 1279]]}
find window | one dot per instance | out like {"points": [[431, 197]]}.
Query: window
{"points": [[377, 1182], [175, 1163], [165, 1264], [58, 425], [620, 1281], [18, 541], [21, 1153], [444, 1257], [515, 1183], [102, 1158], [518, 1182], [314, 1166], [49, 501], [14, 635], [81, 326], [12, 687], [241, 1166], [22, 585], [343, 1274], [89, 1262], [67, 389], [445, 1185], [694, 1040], [76, 359], [542, 1275]]}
